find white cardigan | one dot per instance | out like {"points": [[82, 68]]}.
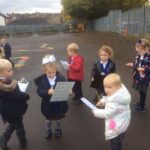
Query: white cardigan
{"points": [[117, 113]]}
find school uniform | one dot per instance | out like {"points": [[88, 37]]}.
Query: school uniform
{"points": [[51, 110], [12, 108], [7, 51], [141, 80], [76, 73], [99, 71]]}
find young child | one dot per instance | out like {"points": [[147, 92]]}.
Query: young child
{"points": [[101, 69], [2, 54], [117, 112], [75, 70], [7, 49], [12, 105], [46, 87], [141, 72]]}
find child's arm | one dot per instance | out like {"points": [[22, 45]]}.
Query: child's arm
{"points": [[42, 91], [77, 64], [106, 113], [113, 69], [94, 70], [129, 65]]}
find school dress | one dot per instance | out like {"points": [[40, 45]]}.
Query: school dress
{"points": [[99, 73], [51, 110], [141, 80]]}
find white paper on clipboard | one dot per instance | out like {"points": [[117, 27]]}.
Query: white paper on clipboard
{"points": [[23, 85], [88, 103], [64, 64], [61, 92]]}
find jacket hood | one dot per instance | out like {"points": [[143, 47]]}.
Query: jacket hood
{"points": [[8, 87], [121, 96]]}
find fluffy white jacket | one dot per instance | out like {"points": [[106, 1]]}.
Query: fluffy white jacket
{"points": [[117, 113]]}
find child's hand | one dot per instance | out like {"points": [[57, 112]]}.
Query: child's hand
{"points": [[50, 91], [99, 103], [129, 64], [94, 112], [92, 79], [141, 69], [70, 92]]}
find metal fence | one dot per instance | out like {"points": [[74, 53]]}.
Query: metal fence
{"points": [[132, 22], [12, 30]]}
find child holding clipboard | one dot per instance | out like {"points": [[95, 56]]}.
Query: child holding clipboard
{"points": [[52, 111]]}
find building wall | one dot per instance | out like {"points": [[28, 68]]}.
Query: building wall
{"points": [[2, 21]]}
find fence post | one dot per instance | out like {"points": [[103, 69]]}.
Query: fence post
{"points": [[144, 21]]}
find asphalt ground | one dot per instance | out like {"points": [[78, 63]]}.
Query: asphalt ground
{"points": [[81, 131]]}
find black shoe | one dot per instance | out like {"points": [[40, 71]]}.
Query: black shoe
{"points": [[48, 134], [23, 142], [3, 144], [58, 133]]}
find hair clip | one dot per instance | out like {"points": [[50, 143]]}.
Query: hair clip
{"points": [[48, 59]]}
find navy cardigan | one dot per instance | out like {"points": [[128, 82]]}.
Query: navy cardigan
{"points": [[51, 110]]}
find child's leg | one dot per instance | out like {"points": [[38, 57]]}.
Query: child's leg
{"points": [[77, 89], [142, 99], [58, 132], [20, 132], [48, 134], [116, 143], [6, 136]]}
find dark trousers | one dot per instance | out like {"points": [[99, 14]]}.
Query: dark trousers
{"points": [[77, 89], [116, 143], [142, 99], [20, 132]]}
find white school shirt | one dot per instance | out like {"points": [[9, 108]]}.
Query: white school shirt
{"points": [[104, 64], [52, 81]]}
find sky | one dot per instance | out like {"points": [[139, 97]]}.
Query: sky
{"points": [[30, 6]]}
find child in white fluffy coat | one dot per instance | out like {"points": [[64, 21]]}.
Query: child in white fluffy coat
{"points": [[117, 112]]}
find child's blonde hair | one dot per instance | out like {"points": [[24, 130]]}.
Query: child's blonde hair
{"points": [[52, 65], [106, 49], [73, 47], [144, 43], [4, 64], [113, 79]]}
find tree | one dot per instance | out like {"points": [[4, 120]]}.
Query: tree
{"points": [[91, 9]]}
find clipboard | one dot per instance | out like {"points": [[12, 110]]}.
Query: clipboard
{"points": [[64, 64], [61, 92], [88, 103], [23, 85]]}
